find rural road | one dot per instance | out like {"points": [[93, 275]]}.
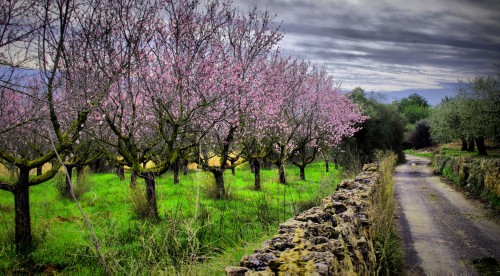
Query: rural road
{"points": [[442, 231]]}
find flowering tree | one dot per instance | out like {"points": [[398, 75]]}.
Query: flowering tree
{"points": [[262, 116], [68, 61], [314, 113], [247, 41], [31, 99]]}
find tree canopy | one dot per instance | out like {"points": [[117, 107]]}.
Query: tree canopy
{"points": [[474, 114]]}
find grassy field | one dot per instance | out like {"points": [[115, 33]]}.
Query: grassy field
{"points": [[196, 235], [454, 149]]}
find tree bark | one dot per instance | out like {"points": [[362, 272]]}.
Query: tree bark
{"points": [[251, 164], [219, 184], [233, 171], [471, 145], [481, 148], [121, 173], [185, 167], [175, 168], [151, 195], [464, 145], [69, 177], [281, 169], [39, 171], [79, 172], [327, 166], [23, 239], [133, 179], [302, 172], [256, 172]]}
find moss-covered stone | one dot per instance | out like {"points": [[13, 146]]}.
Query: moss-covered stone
{"points": [[334, 238], [479, 177]]}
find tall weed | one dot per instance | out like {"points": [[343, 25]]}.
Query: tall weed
{"points": [[139, 202]]}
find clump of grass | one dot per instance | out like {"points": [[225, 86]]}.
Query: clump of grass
{"points": [[387, 242], [139, 202], [6, 208], [81, 186]]}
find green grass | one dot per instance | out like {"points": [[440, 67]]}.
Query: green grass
{"points": [[418, 153], [196, 235], [453, 149], [492, 153]]}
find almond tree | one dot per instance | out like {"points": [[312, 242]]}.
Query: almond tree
{"points": [[247, 41], [131, 137], [262, 116], [54, 54], [34, 75], [315, 113]]}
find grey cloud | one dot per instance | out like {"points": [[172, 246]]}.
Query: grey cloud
{"points": [[380, 43]]}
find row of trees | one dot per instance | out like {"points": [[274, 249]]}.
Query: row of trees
{"points": [[155, 80], [472, 116]]}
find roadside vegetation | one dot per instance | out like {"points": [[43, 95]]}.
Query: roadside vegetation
{"points": [[388, 245], [454, 149]]}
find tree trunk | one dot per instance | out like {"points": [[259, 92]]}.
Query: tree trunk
{"points": [[175, 168], [23, 239], [327, 166], [69, 177], [133, 179], [251, 164], [471, 145], [79, 172], [281, 170], [233, 170], [39, 171], [185, 167], [256, 172], [219, 184], [464, 145], [151, 195], [95, 166], [121, 173], [302, 172], [481, 148]]}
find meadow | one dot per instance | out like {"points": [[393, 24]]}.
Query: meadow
{"points": [[454, 149], [195, 234]]}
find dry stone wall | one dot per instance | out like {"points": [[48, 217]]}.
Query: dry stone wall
{"points": [[478, 176], [331, 239]]}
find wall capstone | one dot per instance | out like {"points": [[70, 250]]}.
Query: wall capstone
{"points": [[330, 239]]}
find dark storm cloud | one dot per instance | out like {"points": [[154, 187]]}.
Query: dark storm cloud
{"points": [[393, 45]]}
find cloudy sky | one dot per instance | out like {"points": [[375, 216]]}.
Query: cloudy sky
{"points": [[394, 47]]}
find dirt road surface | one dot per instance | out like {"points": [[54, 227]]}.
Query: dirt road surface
{"points": [[442, 231]]}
